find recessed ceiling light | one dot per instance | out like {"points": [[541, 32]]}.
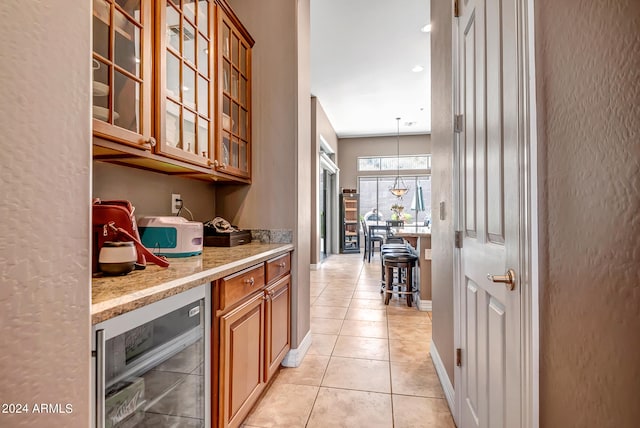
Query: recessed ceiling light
{"points": [[417, 69], [426, 28]]}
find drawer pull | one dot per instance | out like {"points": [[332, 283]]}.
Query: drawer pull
{"points": [[250, 281], [283, 264]]}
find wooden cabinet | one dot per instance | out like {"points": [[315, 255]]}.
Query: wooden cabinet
{"points": [[278, 326], [254, 330], [234, 288], [122, 72], [349, 232], [278, 267], [172, 88], [185, 83], [233, 130], [241, 360]]}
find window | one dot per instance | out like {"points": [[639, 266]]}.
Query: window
{"points": [[390, 163], [375, 195]]}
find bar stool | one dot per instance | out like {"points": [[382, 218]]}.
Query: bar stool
{"points": [[400, 262], [390, 248]]}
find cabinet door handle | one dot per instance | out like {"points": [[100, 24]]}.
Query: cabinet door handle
{"points": [[152, 141], [217, 164], [283, 264], [250, 281]]}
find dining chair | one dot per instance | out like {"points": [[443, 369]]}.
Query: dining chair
{"points": [[369, 241], [393, 223]]}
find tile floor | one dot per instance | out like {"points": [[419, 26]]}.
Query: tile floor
{"points": [[368, 366]]}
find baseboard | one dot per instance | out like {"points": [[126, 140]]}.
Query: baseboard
{"points": [[295, 356], [423, 305], [447, 387], [314, 266]]}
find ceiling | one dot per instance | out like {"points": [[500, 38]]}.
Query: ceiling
{"points": [[362, 54]]}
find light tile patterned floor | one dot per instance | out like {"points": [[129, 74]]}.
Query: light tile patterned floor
{"points": [[368, 366]]}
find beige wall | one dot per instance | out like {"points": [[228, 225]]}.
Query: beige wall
{"points": [[46, 174], [320, 125], [301, 296], [350, 148], [588, 79], [269, 202], [278, 198], [150, 192], [442, 237]]}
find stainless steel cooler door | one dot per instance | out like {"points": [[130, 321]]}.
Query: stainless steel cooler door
{"points": [[152, 364]]}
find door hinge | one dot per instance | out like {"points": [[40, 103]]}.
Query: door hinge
{"points": [[458, 239], [456, 8], [458, 123], [458, 357]]}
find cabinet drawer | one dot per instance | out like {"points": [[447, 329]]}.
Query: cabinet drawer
{"points": [[278, 267], [236, 287]]}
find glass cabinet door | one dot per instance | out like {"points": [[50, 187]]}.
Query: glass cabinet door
{"points": [[233, 154], [121, 62], [186, 85], [152, 364]]}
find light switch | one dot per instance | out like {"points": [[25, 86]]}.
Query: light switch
{"points": [[442, 216], [427, 253]]}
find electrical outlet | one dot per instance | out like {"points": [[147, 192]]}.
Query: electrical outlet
{"points": [[175, 204]]}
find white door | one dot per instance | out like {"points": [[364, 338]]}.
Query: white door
{"points": [[489, 214]]}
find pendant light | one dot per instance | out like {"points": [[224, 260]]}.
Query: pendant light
{"points": [[399, 189]]}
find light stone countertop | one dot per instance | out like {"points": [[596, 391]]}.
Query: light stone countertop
{"points": [[115, 295], [420, 231]]}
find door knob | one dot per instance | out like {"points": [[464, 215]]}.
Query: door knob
{"points": [[509, 280]]}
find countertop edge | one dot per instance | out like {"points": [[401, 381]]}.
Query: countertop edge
{"points": [[111, 308]]}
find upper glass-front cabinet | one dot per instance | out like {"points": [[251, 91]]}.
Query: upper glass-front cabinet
{"points": [[172, 77], [185, 84], [122, 71], [233, 139]]}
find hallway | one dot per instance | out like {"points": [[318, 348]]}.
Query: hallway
{"points": [[368, 366]]}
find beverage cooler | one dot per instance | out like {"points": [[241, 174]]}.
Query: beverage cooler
{"points": [[152, 365]]}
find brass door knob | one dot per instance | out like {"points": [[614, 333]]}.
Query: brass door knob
{"points": [[509, 280]]}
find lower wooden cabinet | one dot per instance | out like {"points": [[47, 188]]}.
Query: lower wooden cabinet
{"points": [[278, 325], [241, 362], [254, 337]]}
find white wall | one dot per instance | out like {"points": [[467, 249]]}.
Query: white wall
{"points": [[45, 267]]}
